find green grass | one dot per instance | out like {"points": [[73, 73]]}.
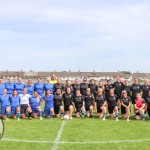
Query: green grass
{"points": [[76, 130]]}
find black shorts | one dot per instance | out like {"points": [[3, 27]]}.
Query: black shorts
{"points": [[123, 110], [148, 110], [67, 107], [137, 114], [111, 108], [118, 96], [23, 108], [99, 110], [78, 109], [57, 109], [87, 108]]}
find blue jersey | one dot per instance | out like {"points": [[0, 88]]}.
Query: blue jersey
{"points": [[34, 101], [4, 99], [19, 87], [49, 101], [30, 89], [14, 101], [49, 86], [2, 87], [10, 86], [39, 88]]}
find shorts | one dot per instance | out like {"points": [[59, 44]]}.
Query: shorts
{"points": [[13, 110], [118, 96], [87, 108], [111, 108], [34, 111], [137, 114], [24, 108], [57, 109], [4, 110], [78, 109], [47, 110], [123, 110], [67, 107], [99, 110]]}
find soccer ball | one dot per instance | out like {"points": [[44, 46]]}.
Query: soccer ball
{"points": [[66, 117]]}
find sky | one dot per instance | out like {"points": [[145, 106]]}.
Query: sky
{"points": [[85, 35]]}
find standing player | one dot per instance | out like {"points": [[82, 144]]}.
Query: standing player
{"points": [[30, 87], [125, 105], [101, 104], [76, 86], [89, 103], [58, 106], [68, 98], [10, 86], [2, 87], [38, 86], [93, 87], [24, 104], [147, 100], [49, 104], [112, 105], [68, 85], [53, 79], [145, 88], [58, 85], [127, 88], [34, 102], [101, 85], [108, 87], [19, 86], [79, 104], [15, 105], [49, 85], [84, 86], [5, 104]]}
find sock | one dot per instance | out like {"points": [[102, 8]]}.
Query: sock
{"points": [[143, 115], [62, 113], [83, 112], [51, 115], [18, 114], [116, 114], [40, 112], [7, 114], [29, 115], [104, 115], [91, 113]]}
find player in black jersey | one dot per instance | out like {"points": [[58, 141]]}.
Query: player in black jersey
{"points": [[84, 86], [127, 88], [93, 87], [108, 86], [58, 106], [145, 88], [101, 104], [101, 85], [58, 85], [76, 86], [89, 103], [79, 104], [68, 102], [68, 85], [112, 105], [147, 100], [125, 105]]}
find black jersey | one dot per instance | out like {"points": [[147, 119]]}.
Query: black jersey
{"points": [[58, 99], [58, 86], [145, 89], [135, 88], [107, 90], [78, 101], [93, 88], [127, 89], [68, 98], [88, 98], [67, 86], [83, 87], [75, 87], [147, 100], [118, 88], [126, 100], [112, 100], [100, 99]]}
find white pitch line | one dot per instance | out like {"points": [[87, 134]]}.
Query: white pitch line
{"points": [[55, 146]]}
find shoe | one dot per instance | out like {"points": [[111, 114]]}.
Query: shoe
{"points": [[91, 116], [128, 119], [62, 117], [82, 116], [104, 119], [29, 118], [7, 119], [71, 118], [143, 119], [18, 119], [117, 119], [41, 118]]}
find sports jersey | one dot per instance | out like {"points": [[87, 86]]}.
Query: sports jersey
{"points": [[68, 86], [112, 100], [19, 87], [34, 101], [107, 90], [58, 86], [83, 87], [78, 101], [118, 88], [2, 87], [68, 98], [139, 103], [49, 86], [100, 99], [53, 81], [38, 87], [14, 101], [75, 87], [30, 89], [10, 86], [93, 88], [24, 99], [126, 100], [145, 89], [58, 99], [4, 99], [147, 100], [135, 88], [49, 101], [127, 89], [88, 98]]}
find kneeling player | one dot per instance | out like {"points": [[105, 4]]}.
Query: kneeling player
{"points": [[139, 107], [148, 103], [58, 106], [78, 104], [49, 106], [112, 105], [89, 103], [15, 105], [35, 105], [125, 105], [68, 97], [101, 104], [5, 104]]}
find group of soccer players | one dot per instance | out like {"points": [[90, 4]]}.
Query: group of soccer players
{"points": [[20, 99]]}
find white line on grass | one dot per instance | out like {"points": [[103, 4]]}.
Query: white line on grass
{"points": [[56, 142]]}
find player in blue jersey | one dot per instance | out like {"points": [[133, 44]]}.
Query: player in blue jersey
{"points": [[10, 86], [15, 105], [19, 86], [35, 105], [2, 86], [49, 85], [38, 86], [30, 87], [5, 104], [49, 104]]}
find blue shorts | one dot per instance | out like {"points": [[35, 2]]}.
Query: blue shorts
{"points": [[34, 111], [4, 110], [47, 110], [13, 110]]}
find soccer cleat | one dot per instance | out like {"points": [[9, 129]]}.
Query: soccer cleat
{"points": [[104, 119], [29, 118], [18, 119], [91, 116], [71, 118], [143, 119], [62, 117], [41, 118], [128, 119], [82, 116], [117, 119], [7, 119]]}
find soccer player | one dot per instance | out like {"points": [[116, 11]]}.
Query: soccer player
{"points": [[49, 104], [108, 87], [19, 86], [84, 86], [53, 79], [34, 102], [15, 105], [93, 87], [68, 85], [10, 86], [125, 105], [147, 100], [2, 87], [5, 104], [127, 88], [58, 106], [89, 103], [79, 104], [76, 86], [101, 104], [101, 85], [38, 86], [24, 104], [139, 107], [112, 105], [30, 87], [145, 88], [49, 85], [58, 85], [68, 102]]}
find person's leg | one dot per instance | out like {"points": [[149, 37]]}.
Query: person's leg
{"points": [[29, 112], [70, 111], [39, 112], [142, 113], [116, 112], [103, 108], [91, 111], [83, 112], [128, 113], [7, 112], [18, 113], [51, 112], [62, 111]]}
